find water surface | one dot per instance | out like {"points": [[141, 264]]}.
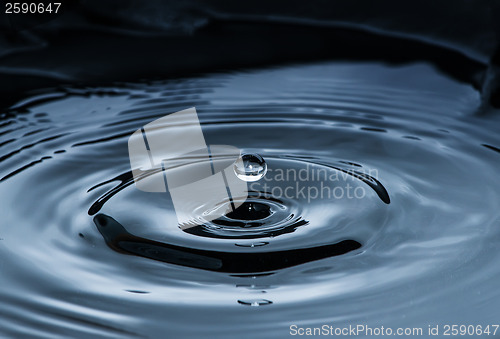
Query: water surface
{"points": [[83, 252]]}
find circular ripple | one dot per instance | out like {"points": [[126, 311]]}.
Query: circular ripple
{"points": [[77, 232]]}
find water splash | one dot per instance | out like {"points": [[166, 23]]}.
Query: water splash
{"points": [[341, 120]]}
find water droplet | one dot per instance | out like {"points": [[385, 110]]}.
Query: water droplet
{"points": [[250, 167], [253, 244], [137, 291], [257, 302]]}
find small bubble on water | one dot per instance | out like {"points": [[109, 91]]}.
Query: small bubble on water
{"points": [[250, 167], [255, 302], [254, 244]]}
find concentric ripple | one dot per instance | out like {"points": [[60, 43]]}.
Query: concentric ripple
{"points": [[379, 206]]}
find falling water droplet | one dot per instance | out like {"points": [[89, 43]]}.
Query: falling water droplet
{"points": [[250, 167]]}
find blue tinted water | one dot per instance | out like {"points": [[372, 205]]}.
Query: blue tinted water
{"points": [[85, 253]]}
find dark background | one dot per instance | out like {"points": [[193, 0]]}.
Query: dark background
{"points": [[97, 42]]}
